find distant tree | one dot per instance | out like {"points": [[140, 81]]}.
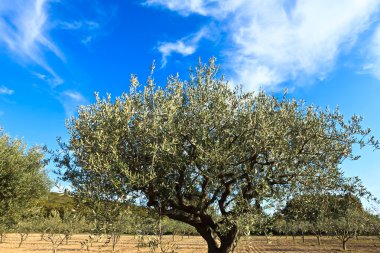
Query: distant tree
{"points": [[199, 145], [280, 226], [57, 230], [61, 202], [373, 225], [303, 228], [263, 225], [24, 228], [23, 181], [347, 218], [106, 220], [322, 213], [178, 228], [307, 208]]}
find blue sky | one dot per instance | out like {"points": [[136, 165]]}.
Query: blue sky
{"points": [[54, 54]]}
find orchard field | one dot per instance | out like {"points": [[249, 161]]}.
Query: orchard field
{"points": [[193, 158], [191, 244]]}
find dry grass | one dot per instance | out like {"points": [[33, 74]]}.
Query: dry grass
{"points": [[194, 244]]}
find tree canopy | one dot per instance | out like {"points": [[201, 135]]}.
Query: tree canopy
{"points": [[312, 208], [22, 178], [205, 153]]}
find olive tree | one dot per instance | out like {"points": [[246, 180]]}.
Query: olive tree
{"points": [[204, 153], [373, 224], [340, 215], [347, 219], [23, 181]]}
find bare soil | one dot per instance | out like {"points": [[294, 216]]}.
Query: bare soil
{"points": [[192, 244]]}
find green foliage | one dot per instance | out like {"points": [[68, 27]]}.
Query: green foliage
{"points": [[373, 224], [339, 215], [23, 181], [60, 202], [314, 207], [204, 153], [57, 229]]}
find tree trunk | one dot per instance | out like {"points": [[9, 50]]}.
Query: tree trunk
{"points": [[23, 238], [344, 244], [226, 241], [319, 239]]}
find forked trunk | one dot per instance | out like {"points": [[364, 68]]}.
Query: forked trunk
{"points": [[227, 240], [344, 245]]}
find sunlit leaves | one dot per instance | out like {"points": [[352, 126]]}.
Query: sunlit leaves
{"points": [[199, 148]]}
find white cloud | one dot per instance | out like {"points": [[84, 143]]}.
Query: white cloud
{"points": [[185, 7], [6, 91], [74, 95], [184, 46], [271, 42], [52, 81], [23, 30], [86, 40], [70, 101], [88, 30], [168, 48], [373, 55], [87, 27], [80, 24], [217, 9]]}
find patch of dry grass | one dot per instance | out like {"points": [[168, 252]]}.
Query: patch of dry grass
{"points": [[194, 244]]}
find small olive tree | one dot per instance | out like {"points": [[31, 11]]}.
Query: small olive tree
{"points": [[347, 218], [373, 225], [23, 181], [58, 229], [204, 153]]}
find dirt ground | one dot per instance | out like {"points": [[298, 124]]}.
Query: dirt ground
{"points": [[192, 244]]}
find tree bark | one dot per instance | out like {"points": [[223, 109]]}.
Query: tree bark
{"points": [[344, 244], [226, 241]]}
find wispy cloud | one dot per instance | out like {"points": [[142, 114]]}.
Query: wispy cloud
{"points": [[184, 46], [88, 29], [24, 32], [70, 101], [271, 42], [185, 7], [52, 81], [86, 26], [373, 55], [215, 8], [80, 24], [6, 91]]}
